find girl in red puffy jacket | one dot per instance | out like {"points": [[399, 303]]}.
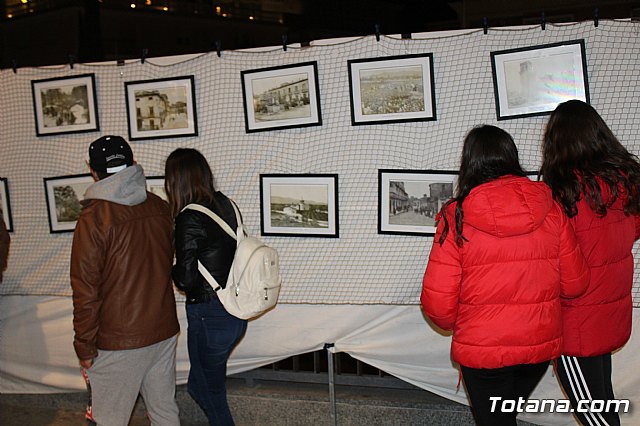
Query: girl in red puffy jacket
{"points": [[503, 255], [597, 181]]}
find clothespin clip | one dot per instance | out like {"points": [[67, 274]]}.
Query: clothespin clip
{"points": [[485, 25], [143, 57], [14, 66], [543, 21], [218, 47], [71, 61], [596, 17], [376, 29], [284, 42]]}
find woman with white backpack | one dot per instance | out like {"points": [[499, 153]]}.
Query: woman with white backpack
{"points": [[212, 331]]}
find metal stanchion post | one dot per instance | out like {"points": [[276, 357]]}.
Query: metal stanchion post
{"points": [[332, 392]]}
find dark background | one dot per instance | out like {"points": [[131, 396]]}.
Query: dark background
{"points": [[51, 32]]}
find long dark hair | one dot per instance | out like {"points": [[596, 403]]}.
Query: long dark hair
{"points": [[487, 154], [188, 179], [581, 153]]}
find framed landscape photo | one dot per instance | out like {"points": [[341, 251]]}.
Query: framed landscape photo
{"points": [[392, 89], [281, 97], [155, 185], [163, 108], [5, 205], [534, 80], [409, 200], [65, 105], [304, 205], [63, 195]]}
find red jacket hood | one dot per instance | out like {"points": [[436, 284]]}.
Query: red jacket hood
{"points": [[508, 206]]}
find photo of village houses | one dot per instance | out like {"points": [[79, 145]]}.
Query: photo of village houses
{"points": [[392, 90], [416, 203], [299, 206], [281, 98], [65, 106], [161, 109]]}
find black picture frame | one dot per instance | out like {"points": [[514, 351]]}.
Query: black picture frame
{"points": [[63, 195], [404, 208], [161, 108], [532, 81], [392, 89], [299, 205], [5, 204], [65, 105], [281, 97]]}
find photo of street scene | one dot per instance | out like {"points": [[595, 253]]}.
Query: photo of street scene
{"points": [[65, 105], [410, 200], [416, 203], [281, 98], [161, 108], [299, 206], [391, 90]]}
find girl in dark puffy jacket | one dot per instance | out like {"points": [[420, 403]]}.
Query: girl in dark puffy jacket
{"points": [[503, 255], [212, 332], [597, 182]]}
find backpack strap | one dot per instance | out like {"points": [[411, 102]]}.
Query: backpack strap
{"points": [[215, 217]]}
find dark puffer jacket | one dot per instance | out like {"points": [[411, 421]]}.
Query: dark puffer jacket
{"points": [[198, 237], [500, 292]]}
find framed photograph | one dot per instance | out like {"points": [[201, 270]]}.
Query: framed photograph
{"points": [[304, 205], [534, 80], [164, 108], [392, 89], [408, 200], [63, 196], [5, 205], [155, 185], [281, 97], [65, 105]]}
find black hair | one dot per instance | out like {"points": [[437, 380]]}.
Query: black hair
{"points": [[487, 154]]}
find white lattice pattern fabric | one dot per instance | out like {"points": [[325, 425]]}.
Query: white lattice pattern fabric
{"points": [[361, 266]]}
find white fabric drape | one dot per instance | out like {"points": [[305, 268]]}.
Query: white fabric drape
{"points": [[36, 350]]}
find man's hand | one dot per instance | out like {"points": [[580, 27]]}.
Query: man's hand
{"points": [[86, 363]]}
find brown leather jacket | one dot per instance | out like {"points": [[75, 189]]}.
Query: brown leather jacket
{"points": [[121, 273]]}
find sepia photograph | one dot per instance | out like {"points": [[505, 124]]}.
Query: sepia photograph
{"points": [[409, 200], [534, 80], [155, 185], [161, 108], [63, 195], [392, 89], [299, 205], [281, 97], [65, 105], [5, 205]]}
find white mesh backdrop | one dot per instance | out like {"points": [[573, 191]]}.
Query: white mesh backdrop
{"points": [[360, 267]]}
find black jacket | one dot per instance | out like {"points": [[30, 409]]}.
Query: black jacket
{"points": [[198, 237]]}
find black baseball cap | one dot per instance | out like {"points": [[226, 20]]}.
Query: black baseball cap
{"points": [[110, 154]]}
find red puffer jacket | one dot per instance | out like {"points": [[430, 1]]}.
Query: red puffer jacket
{"points": [[500, 292], [599, 321]]}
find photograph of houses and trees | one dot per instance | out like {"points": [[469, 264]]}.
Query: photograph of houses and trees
{"points": [[299, 206]]}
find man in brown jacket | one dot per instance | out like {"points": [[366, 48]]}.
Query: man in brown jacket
{"points": [[124, 313]]}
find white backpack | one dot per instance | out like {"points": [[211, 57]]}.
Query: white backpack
{"points": [[254, 280]]}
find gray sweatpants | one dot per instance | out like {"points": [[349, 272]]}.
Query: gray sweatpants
{"points": [[117, 377]]}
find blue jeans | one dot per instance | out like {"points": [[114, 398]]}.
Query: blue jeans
{"points": [[212, 334]]}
